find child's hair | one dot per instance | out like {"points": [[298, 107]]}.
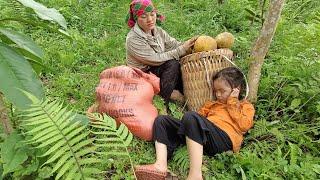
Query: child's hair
{"points": [[233, 76]]}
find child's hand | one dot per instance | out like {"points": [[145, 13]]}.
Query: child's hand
{"points": [[235, 93]]}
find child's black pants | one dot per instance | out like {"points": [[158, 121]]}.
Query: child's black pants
{"points": [[172, 132]]}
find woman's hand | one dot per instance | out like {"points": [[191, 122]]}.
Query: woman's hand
{"points": [[189, 43]]}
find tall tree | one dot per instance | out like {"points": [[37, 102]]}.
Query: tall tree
{"points": [[261, 46]]}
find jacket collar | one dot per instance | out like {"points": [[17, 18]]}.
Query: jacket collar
{"points": [[144, 35], [218, 103]]}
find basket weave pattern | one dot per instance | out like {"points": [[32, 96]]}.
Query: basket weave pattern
{"points": [[197, 71]]}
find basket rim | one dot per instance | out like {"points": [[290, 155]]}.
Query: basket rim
{"points": [[188, 58]]}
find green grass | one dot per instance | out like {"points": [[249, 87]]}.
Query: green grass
{"points": [[284, 144]]}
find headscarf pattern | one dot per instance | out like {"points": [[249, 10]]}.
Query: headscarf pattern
{"points": [[139, 7]]}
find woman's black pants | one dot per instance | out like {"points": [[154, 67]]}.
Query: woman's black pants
{"points": [[170, 78]]}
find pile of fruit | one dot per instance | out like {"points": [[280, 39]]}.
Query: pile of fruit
{"points": [[207, 43]]}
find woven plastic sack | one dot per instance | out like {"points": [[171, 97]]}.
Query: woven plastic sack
{"points": [[126, 94]]}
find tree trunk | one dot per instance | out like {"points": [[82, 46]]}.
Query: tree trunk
{"points": [[261, 46], [4, 117]]}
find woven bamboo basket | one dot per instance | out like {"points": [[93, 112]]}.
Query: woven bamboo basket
{"points": [[197, 72]]}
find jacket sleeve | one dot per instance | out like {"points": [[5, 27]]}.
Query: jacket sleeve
{"points": [[242, 113], [204, 110], [170, 43], [143, 52]]}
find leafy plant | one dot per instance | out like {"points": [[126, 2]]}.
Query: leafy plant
{"points": [[13, 154], [159, 103], [181, 159], [290, 72], [176, 111], [17, 72], [15, 49], [52, 127], [17, 157], [110, 140], [45, 13], [70, 150]]}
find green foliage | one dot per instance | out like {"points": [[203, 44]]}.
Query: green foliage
{"points": [[298, 10], [45, 13], [23, 42], [181, 159], [111, 141], [66, 143], [176, 111], [68, 147], [17, 157], [13, 153], [159, 103], [110, 138], [284, 143], [16, 73]]}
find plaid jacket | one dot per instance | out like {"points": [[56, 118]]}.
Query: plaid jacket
{"points": [[144, 50]]}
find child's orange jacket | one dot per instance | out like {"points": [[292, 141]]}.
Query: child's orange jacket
{"points": [[235, 118]]}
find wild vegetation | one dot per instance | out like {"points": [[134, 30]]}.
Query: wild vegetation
{"points": [[284, 143]]}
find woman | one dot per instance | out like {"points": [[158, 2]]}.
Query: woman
{"points": [[152, 49]]}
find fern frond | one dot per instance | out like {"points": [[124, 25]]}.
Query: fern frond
{"points": [[181, 158], [110, 140], [53, 128], [108, 137], [260, 129], [295, 152]]}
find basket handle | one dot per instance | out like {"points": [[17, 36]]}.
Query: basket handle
{"points": [[245, 78]]}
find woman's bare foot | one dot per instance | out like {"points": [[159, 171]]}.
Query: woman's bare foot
{"points": [[177, 96], [150, 171], [160, 167]]}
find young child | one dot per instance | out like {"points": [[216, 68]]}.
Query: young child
{"points": [[217, 127]]}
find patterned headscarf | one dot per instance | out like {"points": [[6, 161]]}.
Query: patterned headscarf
{"points": [[137, 8]]}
